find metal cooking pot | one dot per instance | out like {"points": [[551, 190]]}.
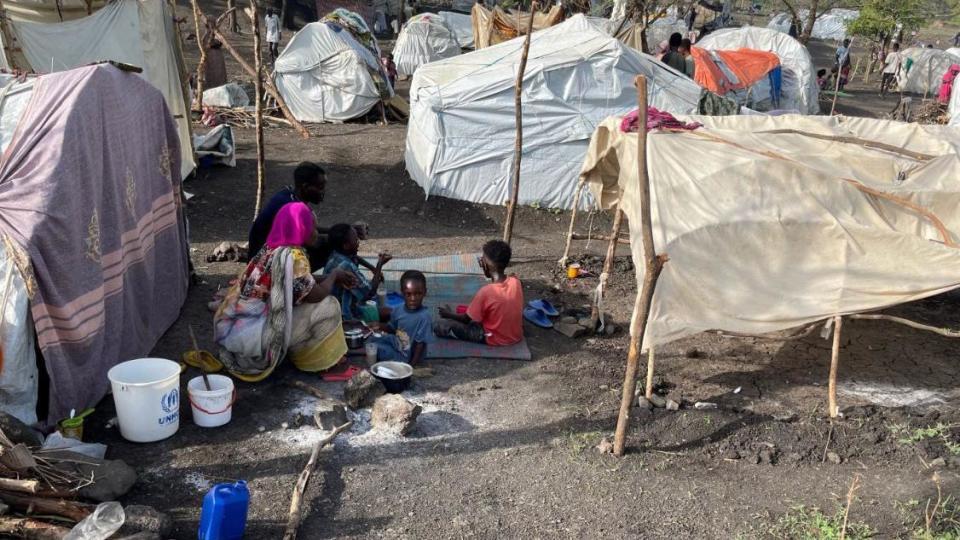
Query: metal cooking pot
{"points": [[354, 338]]}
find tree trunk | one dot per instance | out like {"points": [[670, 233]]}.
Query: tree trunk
{"points": [[811, 19], [283, 14], [232, 18], [258, 92]]}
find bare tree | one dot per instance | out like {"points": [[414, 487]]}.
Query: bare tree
{"points": [[814, 9], [646, 12]]}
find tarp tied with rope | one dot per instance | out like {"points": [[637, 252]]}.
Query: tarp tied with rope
{"points": [[783, 221]]}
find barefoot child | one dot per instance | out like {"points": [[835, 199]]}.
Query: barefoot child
{"points": [[409, 330], [345, 243], [495, 315]]}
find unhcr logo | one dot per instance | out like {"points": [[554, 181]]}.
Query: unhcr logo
{"points": [[170, 403]]}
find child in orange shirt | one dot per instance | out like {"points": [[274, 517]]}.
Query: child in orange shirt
{"points": [[495, 315]]}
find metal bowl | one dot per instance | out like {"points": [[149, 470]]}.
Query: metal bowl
{"points": [[395, 376]]}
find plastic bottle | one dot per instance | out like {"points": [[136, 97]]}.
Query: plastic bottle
{"points": [[100, 525], [224, 512]]}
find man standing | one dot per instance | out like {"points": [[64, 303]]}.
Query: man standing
{"points": [[891, 69], [843, 63], [672, 57], [273, 34], [690, 66]]}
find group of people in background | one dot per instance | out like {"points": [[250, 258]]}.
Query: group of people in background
{"points": [[891, 66], [676, 53]]}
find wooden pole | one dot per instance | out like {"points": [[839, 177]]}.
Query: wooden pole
{"points": [[267, 83], [653, 264], [834, 364], [836, 90], [607, 263], [573, 219], [258, 92], [232, 17], [73, 510], [599, 237], [518, 145], [31, 529], [648, 391], [202, 66], [293, 518]]}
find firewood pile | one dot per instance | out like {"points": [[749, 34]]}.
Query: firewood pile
{"points": [[243, 117], [931, 112]]}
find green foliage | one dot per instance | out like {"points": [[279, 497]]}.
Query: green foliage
{"points": [[938, 519], [803, 523], [939, 431], [882, 17]]}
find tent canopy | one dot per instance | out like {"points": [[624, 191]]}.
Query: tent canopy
{"points": [[799, 91], [325, 73], [460, 138], [140, 33], [496, 26], [927, 67], [425, 38], [831, 24], [770, 230], [726, 71], [462, 26]]}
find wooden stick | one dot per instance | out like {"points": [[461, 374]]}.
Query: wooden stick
{"points": [[648, 391], [518, 144], [232, 11], [20, 486], [293, 518], [201, 67], [854, 140], [39, 505], [196, 349], [31, 529], [607, 263], [946, 332], [854, 486], [653, 266], [267, 86], [258, 92], [600, 237], [573, 219], [314, 391], [834, 364]]}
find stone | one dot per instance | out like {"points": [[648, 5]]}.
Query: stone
{"points": [[362, 390], [704, 405], [672, 405], [394, 413], [142, 519], [111, 478], [331, 415], [605, 446], [658, 401], [18, 432], [939, 462], [572, 331], [609, 329], [585, 322], [568, 320], [834, 458], [641, 401]]}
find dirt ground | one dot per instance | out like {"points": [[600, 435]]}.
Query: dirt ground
{"points": [[506, 448]]}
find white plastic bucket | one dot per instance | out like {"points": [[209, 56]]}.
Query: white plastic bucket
{"points": [[214, 407], [146, 392]]}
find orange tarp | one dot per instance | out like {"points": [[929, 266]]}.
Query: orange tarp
{"points": [[747, 65]]}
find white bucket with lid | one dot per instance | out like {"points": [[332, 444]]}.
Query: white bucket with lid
{"points": [[214, 407], [146, 393]]}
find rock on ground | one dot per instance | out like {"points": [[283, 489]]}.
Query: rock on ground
{"points": [[111, 478], [17, 431], [362, 390], [394, 413]]}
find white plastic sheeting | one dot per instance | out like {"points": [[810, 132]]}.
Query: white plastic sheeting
{"points": [[460, 138], [425, 38], [462, 26], [229, 95], [954, 106], [135, 32], [799, 88], [218, 145], [927, 69], [324, 75], [761, 242], [831, 24]]}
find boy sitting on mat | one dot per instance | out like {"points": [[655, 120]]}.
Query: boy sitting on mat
{"points": [[495, 315], [410, 328]]}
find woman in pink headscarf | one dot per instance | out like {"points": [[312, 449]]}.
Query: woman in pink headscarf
{"points": [[277, 306]]}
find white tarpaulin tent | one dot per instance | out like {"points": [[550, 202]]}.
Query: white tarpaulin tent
{"points": [[769, 230], [953, 109], [927, 67], [831, 24], [799, 90], [137, 32], [326, 75], [460, 138], [425, 38], [462, 26]]}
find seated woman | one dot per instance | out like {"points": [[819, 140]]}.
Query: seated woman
{"points": [[278, 307], [345, 243]]}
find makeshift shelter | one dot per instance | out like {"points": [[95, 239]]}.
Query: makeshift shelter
{"points": [[462, 26], [923, 69], [749, 77], [799, 91], [460, 138], [831, 24], [496, 26], [364, 9], [330, 71], [425, 38], [786, 220], [142, 33], [94, 239], [953, 107]]}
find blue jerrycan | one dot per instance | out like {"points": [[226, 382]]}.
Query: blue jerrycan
{"points": [[224, 512]]}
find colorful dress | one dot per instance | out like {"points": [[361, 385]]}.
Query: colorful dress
{"points": [[350, 299]]}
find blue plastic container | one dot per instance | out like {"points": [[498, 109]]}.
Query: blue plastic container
{"points": [[394, 300], [224, 513]]}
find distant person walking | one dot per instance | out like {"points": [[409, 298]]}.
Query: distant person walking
{"points": [[891, 69], [956, 40], [843, 63], [273, 34]]}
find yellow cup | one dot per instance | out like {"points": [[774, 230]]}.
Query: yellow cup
{"points": [[573, 270]]}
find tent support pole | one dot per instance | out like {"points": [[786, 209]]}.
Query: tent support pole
{"points": [[653, 266], [648, 391], [202, 66], [258, 86], [834, 364], [607, 265], [836, 90], [573, 219], [267, 83], [518, 146]]}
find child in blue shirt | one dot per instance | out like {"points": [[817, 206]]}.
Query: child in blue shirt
{"points": [[410, 329]]}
